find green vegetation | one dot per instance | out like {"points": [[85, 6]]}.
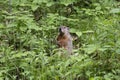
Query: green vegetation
{"points": [[28, 49]]}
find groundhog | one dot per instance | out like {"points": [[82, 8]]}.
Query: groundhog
{"points": [[64, 39]]}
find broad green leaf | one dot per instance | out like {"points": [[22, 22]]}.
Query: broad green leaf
{"points": [[72, 30], [115, 10], [2, 26], [50, 4], [91, 78], [79, 33], [98, 8], [34, 7], [67, 2], [91, 48], [118, 51]]}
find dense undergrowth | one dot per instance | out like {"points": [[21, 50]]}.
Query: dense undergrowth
{"points": [[28, 29]]}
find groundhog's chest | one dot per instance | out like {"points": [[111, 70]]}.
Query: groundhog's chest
{"points": [[63, 41]]}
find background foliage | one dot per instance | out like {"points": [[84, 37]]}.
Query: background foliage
{"points": [[28, 29]]}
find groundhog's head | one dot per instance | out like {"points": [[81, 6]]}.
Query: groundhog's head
{"points": [[63, 29]]}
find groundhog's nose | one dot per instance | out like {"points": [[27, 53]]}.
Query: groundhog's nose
{"points": [[60, 30]]}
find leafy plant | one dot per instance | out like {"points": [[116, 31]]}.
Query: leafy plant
{"points": [[28, 29]]}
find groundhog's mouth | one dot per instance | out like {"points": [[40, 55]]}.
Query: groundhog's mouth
{"points": [[61, 33]]}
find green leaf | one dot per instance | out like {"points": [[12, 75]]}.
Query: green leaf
{"points": [[118, 51], [91, 78], [72, 30], [88, 31], [49, 4], [40, 1], [2, 26], [79, 33], [67, 2], [91, 48], [115, 10], [33, 26], [22, 54], [98, 8], [34, 7]]}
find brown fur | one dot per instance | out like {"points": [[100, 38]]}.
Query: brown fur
{"points": [[64, 39]]}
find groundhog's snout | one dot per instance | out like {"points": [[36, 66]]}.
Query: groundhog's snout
{"points": [[60, 30]]}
